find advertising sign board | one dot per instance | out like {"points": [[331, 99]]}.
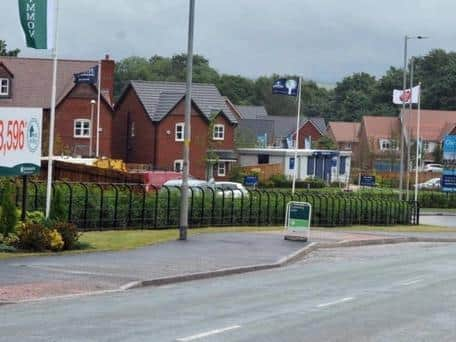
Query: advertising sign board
{"points": [[250, 180], [20, 141], [365, 180], [297, 221], [449, 164]]}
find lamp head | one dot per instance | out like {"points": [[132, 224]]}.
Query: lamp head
{"points": [[93, 102]]}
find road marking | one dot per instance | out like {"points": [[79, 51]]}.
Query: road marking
{"points": [[411, 282], [206, 334], [343, 300]]}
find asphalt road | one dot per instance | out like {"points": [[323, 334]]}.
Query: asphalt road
{"points": [[403, 292]]}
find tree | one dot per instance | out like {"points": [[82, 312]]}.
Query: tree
{"points": [[324, 143], [5, 52], [8, 215]]}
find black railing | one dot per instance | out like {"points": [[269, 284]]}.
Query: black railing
{"points": [[96, 206]]}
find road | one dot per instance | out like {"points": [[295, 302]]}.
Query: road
{"points": [[403, 292]]}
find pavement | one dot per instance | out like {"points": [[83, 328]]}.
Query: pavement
{"points": [[377, 293], [202, 256]]}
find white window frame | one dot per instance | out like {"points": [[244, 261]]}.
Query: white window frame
{"points": [[2, 85], [132, 129], [221, 169], [218, 132], [180, 162], [181, 127], [426, 146], [388, 145], [82, 135]]}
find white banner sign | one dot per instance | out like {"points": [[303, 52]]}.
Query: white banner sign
{"points": [[20, 141]]}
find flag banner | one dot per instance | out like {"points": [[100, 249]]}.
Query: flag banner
{"points": [[37, 21], [89, 76], [408, 96], [285, 86]]}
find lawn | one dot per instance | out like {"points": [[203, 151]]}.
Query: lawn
{"points": [[130, 239]]}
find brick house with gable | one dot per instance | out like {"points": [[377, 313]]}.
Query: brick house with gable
{"points": [[346, 136], [149, 128], [27, 82]]}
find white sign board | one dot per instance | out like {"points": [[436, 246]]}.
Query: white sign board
{"points": [[20, 141], [297, 221]]}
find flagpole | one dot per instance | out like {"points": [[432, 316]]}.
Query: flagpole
{"points": [[52, 116], [408, 133], [418, 141], [293, 186], [98, 111]]}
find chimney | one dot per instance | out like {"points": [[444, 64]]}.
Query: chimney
{"points": [[107, 76]]}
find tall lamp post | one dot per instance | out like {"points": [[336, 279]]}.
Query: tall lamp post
{"points": [[404, 86], [183, 219]]}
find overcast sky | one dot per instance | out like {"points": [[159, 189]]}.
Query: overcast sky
{"points": [[323, 40]]}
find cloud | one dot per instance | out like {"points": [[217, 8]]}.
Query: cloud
{"points": [[321, 40]]}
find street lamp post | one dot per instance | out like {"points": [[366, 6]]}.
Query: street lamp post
{"points": [[183, 219], [92, 110], [404, 86]]}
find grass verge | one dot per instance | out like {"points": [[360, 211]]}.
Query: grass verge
{"points": [[130, 239]]}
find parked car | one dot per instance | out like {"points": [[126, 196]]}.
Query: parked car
{"points": [[433, 183], [196, 185], [229, 189], [433, 168]]}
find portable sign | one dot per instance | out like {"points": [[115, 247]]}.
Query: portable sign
{"points": [[297, 221], [20, 141]]}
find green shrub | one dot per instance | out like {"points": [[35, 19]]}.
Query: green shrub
{"points": [[35, 216], [8, 215], [69, 233], [34, 237]]}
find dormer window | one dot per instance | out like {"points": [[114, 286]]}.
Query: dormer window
{"points": [[4, 86]]}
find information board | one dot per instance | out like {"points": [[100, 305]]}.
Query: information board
{"points": [[297, 221], [250, 180], [20, 141], [449, 164], [365, 180]]}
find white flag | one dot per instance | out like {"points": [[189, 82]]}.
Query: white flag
{"points": [[406, 96]]}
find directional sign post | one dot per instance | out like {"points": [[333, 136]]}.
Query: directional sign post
{"points": [[297, 221]]}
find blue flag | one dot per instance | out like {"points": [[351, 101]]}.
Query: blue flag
{"points": [[90, 76], [284, 86]]}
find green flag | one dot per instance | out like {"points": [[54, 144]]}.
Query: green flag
{"points": [[37, 20]]}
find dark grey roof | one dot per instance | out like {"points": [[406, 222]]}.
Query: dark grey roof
{"points": [[319, 123], [252, 112], [257, 127], [225, 154], [159, 98], [284, 125]]}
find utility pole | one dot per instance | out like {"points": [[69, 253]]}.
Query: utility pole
{"points": [[183, 222]]}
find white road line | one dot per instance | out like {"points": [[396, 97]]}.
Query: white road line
{"points": [[411, 282], [206, 334], [343, 300]]}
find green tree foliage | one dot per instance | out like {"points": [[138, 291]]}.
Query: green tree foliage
{"points": [[8, 215], [324, 143], [354, 96], [58, 206], [5, 52]]}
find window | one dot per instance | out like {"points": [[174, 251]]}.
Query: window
{"points": [[263, 159], [218, 132], [221, 169], [348, 146], [179, 131], [310, 166], [132, 129], [342, 163], [291, 164], [425, 146], [178, 165], [4, 86], [81, 128], [387, 144]]}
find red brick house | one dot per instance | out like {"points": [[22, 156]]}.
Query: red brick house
{"points": [[379, 140], [149, 123], [27, 82], [346, 136], [311, 130]]}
